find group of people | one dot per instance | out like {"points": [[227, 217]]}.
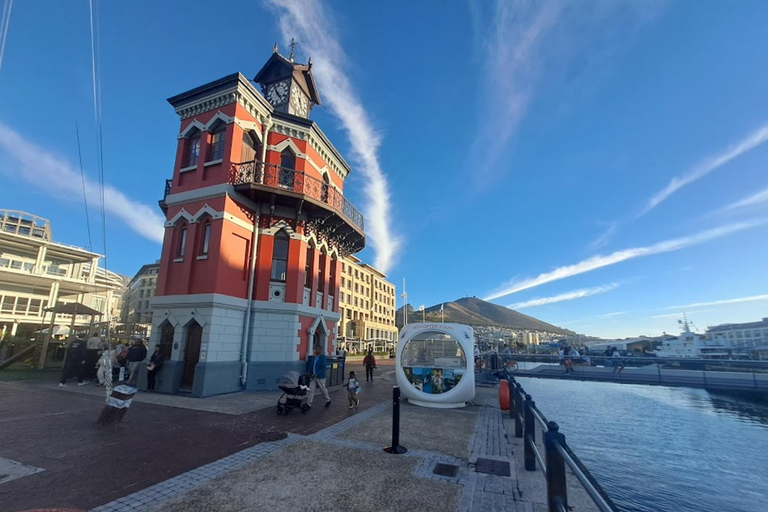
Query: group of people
{"points": [[315, 367], [120, 361], [570, 356]]}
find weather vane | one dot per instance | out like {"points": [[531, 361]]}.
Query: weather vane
{"points": [[293, 50]]}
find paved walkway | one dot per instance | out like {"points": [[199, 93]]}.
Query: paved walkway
{"points": [[282, 475]]}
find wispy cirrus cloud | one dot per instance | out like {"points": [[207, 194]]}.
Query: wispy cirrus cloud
{"points": [[602, 240], [753, 200], [51, 173], [737, 300], [596, 262], [754, 140], [679, 314], [528, 46], [311, 24], [573, 295]]}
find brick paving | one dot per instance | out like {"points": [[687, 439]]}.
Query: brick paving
{"points": [[85, 465]]}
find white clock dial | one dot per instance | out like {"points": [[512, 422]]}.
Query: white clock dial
{"points": [[299, 101]]}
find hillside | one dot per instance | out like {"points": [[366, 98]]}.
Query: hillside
{"points": [[477, 312]]}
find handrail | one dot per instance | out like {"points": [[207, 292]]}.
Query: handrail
{"points": [[291, 180], [557, 453], [599, 501]]}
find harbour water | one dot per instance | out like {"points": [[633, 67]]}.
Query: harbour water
{"points": [[658, 449]]}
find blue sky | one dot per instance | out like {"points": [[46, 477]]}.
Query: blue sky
{"points": [[598, 165]]}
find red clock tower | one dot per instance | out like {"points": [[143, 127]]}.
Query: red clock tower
{"points": [[256, 225]]}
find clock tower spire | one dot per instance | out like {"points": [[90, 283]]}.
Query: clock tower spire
{"points": [[289, 86]]}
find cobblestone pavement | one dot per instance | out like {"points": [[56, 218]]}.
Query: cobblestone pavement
{"points": [[85, 465]]}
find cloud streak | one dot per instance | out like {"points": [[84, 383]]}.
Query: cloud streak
{"points": [[55, 175], [527, 47], [753, 200], [596, 262], [311, 24], [752, 141], [738, 300], [573, 295]]}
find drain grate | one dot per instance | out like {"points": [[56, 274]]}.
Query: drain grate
{"points": [[493, 467], [446, 470]]}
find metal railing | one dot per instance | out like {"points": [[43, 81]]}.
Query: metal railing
{"points": [[25, 224], [556, 456], [291, 180]]}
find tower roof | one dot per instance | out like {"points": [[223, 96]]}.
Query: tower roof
{"points": [[278, 68]]}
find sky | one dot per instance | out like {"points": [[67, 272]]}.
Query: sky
{"points": [[599, 165]]}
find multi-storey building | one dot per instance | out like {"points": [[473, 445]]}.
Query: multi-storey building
{"points": [[136, 312], [367, 302], [37, 273], [256, 226], [749, 337]]}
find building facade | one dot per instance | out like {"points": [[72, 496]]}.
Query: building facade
{"points": [[367, 306], [136, 314], [750, 337], [256, 228], [37, 273]]}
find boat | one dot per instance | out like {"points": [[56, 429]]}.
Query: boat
{"points": [[692, 345]]}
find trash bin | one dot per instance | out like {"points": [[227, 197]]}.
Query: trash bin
{"points": [[334, 372]]}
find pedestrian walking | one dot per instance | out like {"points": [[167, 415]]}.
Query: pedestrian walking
{"points": [[369, 361], [353, 390], [136, 354], [74, 362], [104, 365], [316, 367], [155, 363]]}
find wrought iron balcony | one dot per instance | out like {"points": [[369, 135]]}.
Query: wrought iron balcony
{"points": [[291, 180]]}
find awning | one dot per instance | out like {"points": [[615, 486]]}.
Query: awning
{"points": [[73, 308]]}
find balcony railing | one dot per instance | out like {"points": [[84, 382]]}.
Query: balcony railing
{"points": [[291, 180]]}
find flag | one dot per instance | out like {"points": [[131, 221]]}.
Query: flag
{"points": [[441, 307], [421, 308]]}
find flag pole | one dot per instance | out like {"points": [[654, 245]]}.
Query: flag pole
{"points": [[442, 313]]}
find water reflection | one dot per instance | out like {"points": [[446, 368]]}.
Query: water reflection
{"points": [[657, 448]]}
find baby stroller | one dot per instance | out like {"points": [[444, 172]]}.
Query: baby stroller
{"points": [[294, 388]]}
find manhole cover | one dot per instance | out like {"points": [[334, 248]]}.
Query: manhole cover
{"points": [[493, 467], [446, 470]]}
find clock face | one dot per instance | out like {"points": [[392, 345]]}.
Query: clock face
{"points": [[277, 93], [299, 102]]}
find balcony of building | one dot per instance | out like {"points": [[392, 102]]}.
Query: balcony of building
{"points": [[328, 210], [24, 224]]}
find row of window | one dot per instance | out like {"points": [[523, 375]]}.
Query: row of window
{"points": [[10, 304], [205, 240], [215, 146]]}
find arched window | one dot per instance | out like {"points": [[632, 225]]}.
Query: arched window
{"points": [[249, 148], [280, 256], [308, 268], [205, 239], [181, 247], [287, 159], [321, 273], [192, 151], [216, 147], [287, 164]]}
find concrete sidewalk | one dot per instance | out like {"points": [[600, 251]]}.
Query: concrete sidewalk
{"points": [[343, 467]]}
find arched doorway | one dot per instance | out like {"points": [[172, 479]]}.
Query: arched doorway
{"points": [[191, 354], [166, 340]]}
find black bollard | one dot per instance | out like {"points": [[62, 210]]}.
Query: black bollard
{"points": [[395, 447], [511, 385]]}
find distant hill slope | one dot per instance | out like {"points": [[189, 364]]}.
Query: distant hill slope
{"points": [[477, 312]]}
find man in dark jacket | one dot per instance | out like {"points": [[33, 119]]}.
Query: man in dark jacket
{"points": [[316, 367], [155, 363], [369, 361], [74, 362], [136, 354]]}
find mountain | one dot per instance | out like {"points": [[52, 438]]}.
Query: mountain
{"points": [[479, 313]]}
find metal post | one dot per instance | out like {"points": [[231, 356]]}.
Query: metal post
{"points": [[395, 447], [557, 491], [512, 408], [530, 434], [658, 368], [518, 410]]}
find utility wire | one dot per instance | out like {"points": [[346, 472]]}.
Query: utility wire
{"points": [[85, 195], [96, 76]]}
